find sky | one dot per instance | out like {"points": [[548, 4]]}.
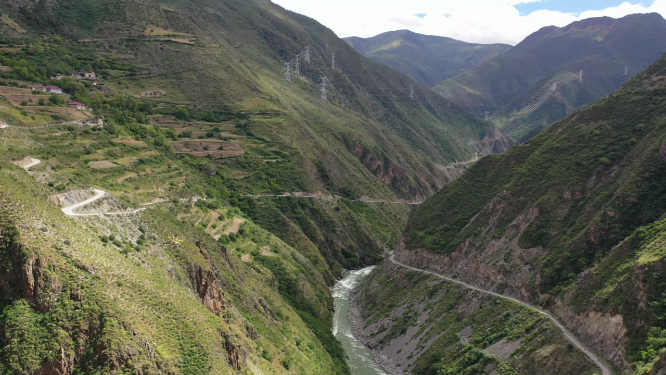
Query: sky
{"points": [[474, 21]]}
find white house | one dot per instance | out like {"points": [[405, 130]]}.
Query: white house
{"points": [[77, 105], [52, 89], [94, 122]]}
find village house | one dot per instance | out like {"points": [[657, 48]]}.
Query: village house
{"points": [[101, 87], [52, 89], [98, 122], [77, 105], [84, 75]]}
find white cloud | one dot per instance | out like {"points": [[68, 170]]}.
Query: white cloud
{"points": [[478, 21]]}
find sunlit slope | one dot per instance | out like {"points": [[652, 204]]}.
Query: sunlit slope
{"points": [[213, 55], [162, 297]]}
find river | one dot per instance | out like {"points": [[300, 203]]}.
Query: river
{"points": [[359, 356]]}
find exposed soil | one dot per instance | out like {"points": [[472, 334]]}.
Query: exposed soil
{"points": [[130, 143], [102, 164], [16, 100], [203, 148], [6, 90], [77, 114]]}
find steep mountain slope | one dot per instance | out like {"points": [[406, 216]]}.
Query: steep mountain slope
{"points": [[227, 59], [538, 82], [144, 293], [427, 59], [573, 220], [203, 131]]}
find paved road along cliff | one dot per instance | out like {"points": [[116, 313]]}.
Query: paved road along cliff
{"points": [[605, 369]]}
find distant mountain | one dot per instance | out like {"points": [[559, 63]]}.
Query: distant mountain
{"points": [[425, 58], [539, 82]]}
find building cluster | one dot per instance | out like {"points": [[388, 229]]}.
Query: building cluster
{"points": [[83, 75]]}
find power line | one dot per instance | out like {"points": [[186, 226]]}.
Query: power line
{"points": [[288, 73], [306, 54], [298, 66], [324, 91]]}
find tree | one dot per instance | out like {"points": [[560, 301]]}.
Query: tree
{"points": [[55, 99], [182, 114]]}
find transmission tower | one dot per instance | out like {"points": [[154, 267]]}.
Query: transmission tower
{"points": [[324, 91], [411, 91], [297, 69], [288, 73], [333, 62], [580, 77], [306, 55], [626, 71], [486, 117]]}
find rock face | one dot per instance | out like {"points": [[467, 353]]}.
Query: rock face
{"points": [[384, 169], [511, 268], [209, 289], [237, 355], [603, 332], [495, 143]]}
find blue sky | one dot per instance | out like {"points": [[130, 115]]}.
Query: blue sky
{"points": [[476, 21], [569, 6]]}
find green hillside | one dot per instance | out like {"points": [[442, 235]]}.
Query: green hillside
{"points": [[572, 220], [222, 78], [538, 82], [427, 59], [257, 193]]}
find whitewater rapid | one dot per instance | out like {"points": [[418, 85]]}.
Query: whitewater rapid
{"points": [[359, 356]]}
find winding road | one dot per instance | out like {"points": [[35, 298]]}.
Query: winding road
{"points": [[32, 163], [605, 369], [99, 194]]}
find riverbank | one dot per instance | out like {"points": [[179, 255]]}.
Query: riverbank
{"points": [[360, 358], [356, 321]]}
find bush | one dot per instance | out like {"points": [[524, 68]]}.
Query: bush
{"points": [[55, 99], [182, 114]]}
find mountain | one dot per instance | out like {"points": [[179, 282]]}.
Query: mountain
{"points": [[539, 81], [572, 221], [232, 196], [427, 59]]}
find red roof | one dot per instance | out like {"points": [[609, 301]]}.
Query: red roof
{"points": [[75, 103], [52, 87]]}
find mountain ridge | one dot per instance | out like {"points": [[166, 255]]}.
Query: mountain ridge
{"points": [[515, 85], [428, 59]]}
